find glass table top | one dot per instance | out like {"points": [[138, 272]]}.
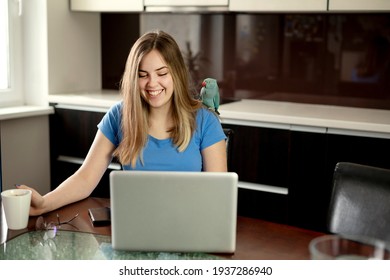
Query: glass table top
{"points": [[70, 245]]}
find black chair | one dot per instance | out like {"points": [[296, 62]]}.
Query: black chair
{"points": [[229, 132], [360, 202]]}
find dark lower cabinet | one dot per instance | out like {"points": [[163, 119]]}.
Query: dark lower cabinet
{"points": [[72, 132], [309, 184], [313, 159], [260, 155], [62, 170], [358, 149], [262, 205], [301, 162]]}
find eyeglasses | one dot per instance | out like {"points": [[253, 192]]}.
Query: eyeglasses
{"points": [[51, 228]]}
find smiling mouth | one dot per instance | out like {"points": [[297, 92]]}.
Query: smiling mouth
{"points": [[155, 92]]}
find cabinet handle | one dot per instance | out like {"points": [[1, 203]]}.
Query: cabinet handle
{"points": [[79, 161], [263, 188]]}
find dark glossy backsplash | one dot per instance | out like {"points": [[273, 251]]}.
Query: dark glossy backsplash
{"points": [[333, 59]]}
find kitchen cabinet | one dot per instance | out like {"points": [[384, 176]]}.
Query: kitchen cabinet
{"points": [[260, 157], [309, 183], [186, 5], [359, 5], [358, 149], [285, 171], [262, 205], [301, 160], [107, 5], [183, 3], [277, 5], [308, 5], [147, 5], [294, 159], [229, 5], [72, 131]]}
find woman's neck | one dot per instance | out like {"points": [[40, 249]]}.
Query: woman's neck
{"points": [[160, 122]]}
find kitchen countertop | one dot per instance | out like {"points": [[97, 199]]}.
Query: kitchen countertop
{"points": [[297, 115], [289, 115]]}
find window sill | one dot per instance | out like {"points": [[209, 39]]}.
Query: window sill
{"points": [[24, 111]]}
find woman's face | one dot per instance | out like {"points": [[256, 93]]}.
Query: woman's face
{"points": [[155, 80]]}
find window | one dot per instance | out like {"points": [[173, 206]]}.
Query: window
{"points": [[11, 77], [4, 64]]}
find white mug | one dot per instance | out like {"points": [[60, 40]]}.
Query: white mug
{"points": [[16, 205]]}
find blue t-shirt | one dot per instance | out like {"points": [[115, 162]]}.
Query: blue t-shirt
{"points": [[163, 155]]}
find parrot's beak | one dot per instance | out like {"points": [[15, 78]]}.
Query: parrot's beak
{"points": [[203, 84]]}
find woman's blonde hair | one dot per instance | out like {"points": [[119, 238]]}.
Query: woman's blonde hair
{"points": [[135, 111]]}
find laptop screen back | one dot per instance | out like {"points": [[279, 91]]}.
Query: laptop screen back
{"points": [[174, 211]]}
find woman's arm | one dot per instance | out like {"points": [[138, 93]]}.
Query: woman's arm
{"points": [[81, 184], [215, 158]]}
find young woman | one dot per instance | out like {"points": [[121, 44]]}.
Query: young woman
{"points": [[157, 126]]}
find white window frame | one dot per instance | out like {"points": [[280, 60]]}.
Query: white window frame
{"points": [[4, 30], [13, 96]]}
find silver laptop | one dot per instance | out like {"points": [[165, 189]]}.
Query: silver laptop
{"points": [[174, 211]]}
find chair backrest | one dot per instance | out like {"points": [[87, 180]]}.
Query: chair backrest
{"points": [[229, 132], [360, 202]]}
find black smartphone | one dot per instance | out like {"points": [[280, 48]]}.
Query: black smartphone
{"points": [[100, 216]]}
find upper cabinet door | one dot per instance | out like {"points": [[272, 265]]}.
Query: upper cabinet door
{"points": [[107, 5], [359, 5], [184, 3], [278, 5]]}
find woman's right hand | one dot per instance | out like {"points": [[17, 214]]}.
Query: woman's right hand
{"points": [[37, 201]]}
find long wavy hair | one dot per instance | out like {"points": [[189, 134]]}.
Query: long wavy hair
{"points": [[135, 111]]}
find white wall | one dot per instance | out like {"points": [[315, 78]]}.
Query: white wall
{"points": [[61, 50], [74, 49], [25, 156]]}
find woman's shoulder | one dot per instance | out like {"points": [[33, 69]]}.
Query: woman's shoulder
{"points": [[204, 112], [117, 106], [116, 109]]}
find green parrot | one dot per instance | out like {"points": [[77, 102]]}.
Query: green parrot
{"points": [[209, 94]]}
